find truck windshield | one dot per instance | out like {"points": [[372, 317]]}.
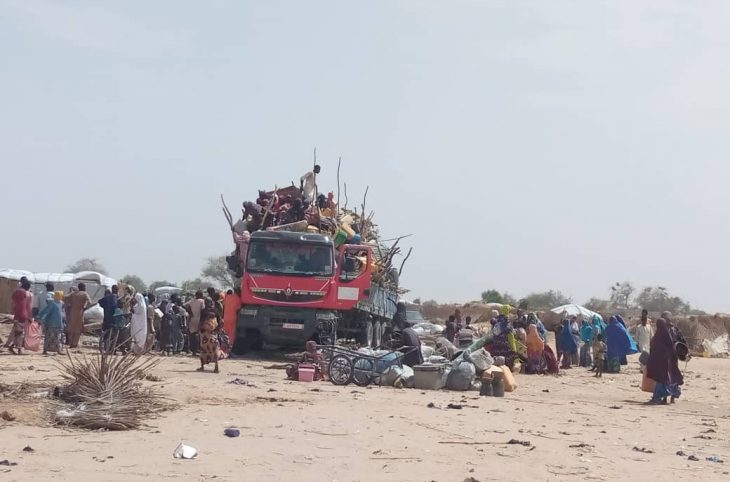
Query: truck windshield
{"points": [[289, 259]]}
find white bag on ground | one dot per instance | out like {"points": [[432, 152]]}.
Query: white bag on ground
{"points": [[481, 359]]}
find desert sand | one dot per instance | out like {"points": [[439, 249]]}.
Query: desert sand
{"points": [[579, 428]]}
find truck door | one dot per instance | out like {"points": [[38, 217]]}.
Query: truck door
{"points": [[354, 275]]}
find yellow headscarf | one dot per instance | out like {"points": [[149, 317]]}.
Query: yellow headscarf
{"points": [[58, 295], [506, 310]]}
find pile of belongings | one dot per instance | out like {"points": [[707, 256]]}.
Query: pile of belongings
{"points": [[428, 328], [303, 209], [718, 348]]}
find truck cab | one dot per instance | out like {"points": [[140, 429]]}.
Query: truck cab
{"points": [[294, 285]]}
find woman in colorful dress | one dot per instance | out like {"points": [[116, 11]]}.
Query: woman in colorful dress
{"points": [[209, 350]]}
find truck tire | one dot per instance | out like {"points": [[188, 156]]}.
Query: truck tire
{"points": [[377, 334], [366, 334]]}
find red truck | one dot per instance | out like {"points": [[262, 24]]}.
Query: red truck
{"points": [[298, 286]]}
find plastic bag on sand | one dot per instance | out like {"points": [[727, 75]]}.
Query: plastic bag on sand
{"points": [[33, 333], [393, 374], [405, 375], [461, 376], [481, 359], [408, 376], [185, 452]]}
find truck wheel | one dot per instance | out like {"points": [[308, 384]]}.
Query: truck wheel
{"points": [[377, 335], [366, 334]]}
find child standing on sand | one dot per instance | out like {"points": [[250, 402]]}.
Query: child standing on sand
{"points": [[599, 354]]}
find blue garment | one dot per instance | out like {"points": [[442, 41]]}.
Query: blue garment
{"points": [[586, 332], [108, 303], [621, 320], [541, 330], [619, 341], [567, 342], [599, 327], [662, 391], [52, 316]]}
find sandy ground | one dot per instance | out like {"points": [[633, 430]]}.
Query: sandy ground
{"points": [[579, 427]]}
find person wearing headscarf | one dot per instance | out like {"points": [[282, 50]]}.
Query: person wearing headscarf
{"points": [[535, 350], [138, 324], [568, 345], [619, 344], [51, 317], [680, 343], [503, 341], [493, 317], [209, 351], [663, 366], [532, 318], [586, 336], [634, 347], [599, 327]]}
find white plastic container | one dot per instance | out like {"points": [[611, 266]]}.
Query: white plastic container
{"points": [[430, 377]]}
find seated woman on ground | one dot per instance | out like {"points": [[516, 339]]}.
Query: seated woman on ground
{"points": [[311, 356]]}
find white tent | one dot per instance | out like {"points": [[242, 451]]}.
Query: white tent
{"points": [[576, 310], [96, 283]]}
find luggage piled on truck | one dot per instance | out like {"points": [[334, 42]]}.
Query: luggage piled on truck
{"points": [[306, 209]]}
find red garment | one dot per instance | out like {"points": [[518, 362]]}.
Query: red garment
{"points": [[22, 303], [231, 306], [550, 360]]}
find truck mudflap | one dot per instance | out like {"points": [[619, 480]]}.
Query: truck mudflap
{"points": [[280, 326]]}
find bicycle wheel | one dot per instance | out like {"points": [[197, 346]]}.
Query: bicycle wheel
{"points": [[340, 370], [362, 371]]}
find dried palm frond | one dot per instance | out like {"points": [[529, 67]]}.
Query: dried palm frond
{"points": [[104, 392]]}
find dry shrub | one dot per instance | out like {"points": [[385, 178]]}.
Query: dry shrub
{"points": [[104, 392]]}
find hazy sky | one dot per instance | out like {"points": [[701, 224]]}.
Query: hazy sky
{"points": [[526, 145]]}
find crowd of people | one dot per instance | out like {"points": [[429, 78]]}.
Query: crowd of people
{"points": [[202, 325], [521, 338]]}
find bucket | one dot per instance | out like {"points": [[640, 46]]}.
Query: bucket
{"points": [[340, 238], [305, 373]]}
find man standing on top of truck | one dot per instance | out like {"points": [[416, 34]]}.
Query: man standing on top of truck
{"points": [[308, 184]]}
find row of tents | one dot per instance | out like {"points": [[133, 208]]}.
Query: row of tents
{"points": [[96, 284]]}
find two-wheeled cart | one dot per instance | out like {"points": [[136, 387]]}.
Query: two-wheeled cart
{"points": [[345, 365]]}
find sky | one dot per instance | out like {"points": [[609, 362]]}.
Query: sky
{"points": [[525, 145]]}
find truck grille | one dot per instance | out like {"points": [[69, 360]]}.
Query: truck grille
{"points": [[294, 297]]}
